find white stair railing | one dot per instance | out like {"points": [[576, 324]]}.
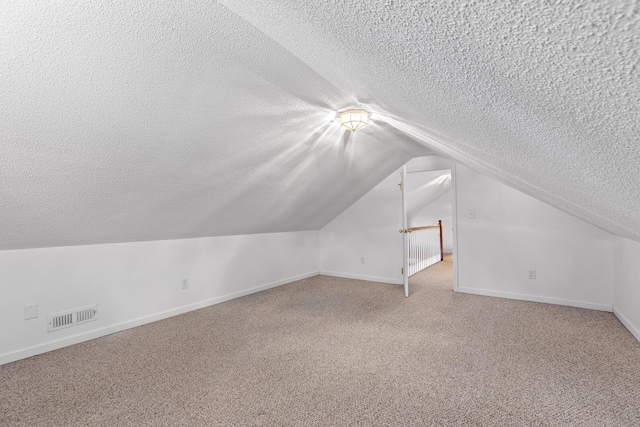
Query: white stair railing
{"points": [[425, 247]]}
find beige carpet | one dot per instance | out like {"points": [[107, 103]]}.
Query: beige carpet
{"points": [[326, 351]]}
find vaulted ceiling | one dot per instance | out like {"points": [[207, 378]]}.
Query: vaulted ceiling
{"points": [[145, 120]]}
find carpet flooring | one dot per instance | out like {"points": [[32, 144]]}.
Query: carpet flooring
{"points": [[326, 351]]}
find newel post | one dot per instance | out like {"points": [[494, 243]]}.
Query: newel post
{"points": [[441, 247]]}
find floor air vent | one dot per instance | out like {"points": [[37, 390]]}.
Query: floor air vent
{"points": [[72, 318]]}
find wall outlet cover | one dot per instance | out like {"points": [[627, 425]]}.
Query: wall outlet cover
{"points": [[30, 311]]}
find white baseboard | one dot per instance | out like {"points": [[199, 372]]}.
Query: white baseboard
{"points": [[533, 298], [107, 330], [627, 323], [362, 277]]}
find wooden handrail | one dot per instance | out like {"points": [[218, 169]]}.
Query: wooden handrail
{"points": [[421, 228]]}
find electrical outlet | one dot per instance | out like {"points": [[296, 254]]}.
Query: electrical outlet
{"points": [[472, 213], [361, 260], [532, 274], [30, 311], [185, 283]]}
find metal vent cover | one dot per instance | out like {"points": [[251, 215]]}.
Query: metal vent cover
{"points": [[72, 317]]}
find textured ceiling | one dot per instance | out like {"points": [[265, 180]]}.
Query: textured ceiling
{"points": [[148, 120], [126, 121], [542, 95]]}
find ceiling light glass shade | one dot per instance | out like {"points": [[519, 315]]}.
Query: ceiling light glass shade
{"points": [[353, 119]]}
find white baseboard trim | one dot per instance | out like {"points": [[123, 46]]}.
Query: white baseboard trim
{"points": [[533, 298], [627, 323], [362, 277], [107, 330]]}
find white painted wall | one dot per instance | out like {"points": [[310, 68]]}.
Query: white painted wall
{"points": [[369, 228], [136, 283], [513, 233], [439, 209], [626, 279]]}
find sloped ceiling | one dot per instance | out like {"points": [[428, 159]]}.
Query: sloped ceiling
{"points": [[542, 95], [423, 188], [144, 120]]}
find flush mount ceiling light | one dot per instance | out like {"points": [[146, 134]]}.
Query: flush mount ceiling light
{"points": [[353, 119]]}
